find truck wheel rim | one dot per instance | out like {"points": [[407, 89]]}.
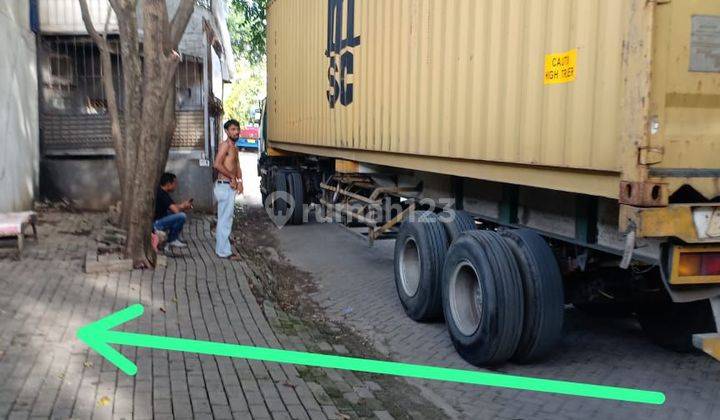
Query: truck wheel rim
{"points": [[410, 267], [465, 296]]}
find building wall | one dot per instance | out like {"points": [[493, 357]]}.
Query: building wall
{"points": [[193, 40], [92, 183], [84, 174], [19, 142]]}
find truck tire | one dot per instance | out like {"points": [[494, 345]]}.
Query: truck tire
{"points": [[456, 222], [267, 182], [297, 192], [483, 298], [279, 205], [542, 292], [672, 325], [420, 249]]}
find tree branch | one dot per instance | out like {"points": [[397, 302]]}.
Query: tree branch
{"points": [[180, 22], [87, 20], [107, 78], [115, 5], [170, 64]]}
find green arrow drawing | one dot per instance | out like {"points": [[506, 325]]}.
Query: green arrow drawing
{"points": [[99, 336]]}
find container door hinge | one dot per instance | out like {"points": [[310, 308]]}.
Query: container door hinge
{"points": [[650, 155]]}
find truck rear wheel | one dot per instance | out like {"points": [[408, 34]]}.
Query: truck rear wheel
{"points": [[279, 204], [543, 295], [456, 222], [482, 298], [420, 249], [672, 325], [296, 191], [267, 184]]}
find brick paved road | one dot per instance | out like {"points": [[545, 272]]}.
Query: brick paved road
{"points": [[46, 372], [356, 286]]}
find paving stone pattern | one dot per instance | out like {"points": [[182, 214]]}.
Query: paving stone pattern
{"points": [[356, 394], [46, 372], [355, 285]]}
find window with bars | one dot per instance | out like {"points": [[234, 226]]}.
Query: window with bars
{"points": [[74, 104], [189, 83], [71, 78]]}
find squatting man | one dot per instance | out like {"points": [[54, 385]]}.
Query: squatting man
{"points": [[169, 216]]}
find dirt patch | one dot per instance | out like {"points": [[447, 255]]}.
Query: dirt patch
{"points": [[288, 288]]}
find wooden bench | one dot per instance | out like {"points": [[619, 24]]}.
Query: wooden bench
{"points": [[13, 225]]}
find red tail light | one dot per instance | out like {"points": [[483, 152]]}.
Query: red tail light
{"points": [[699, 264], [711, 264]]}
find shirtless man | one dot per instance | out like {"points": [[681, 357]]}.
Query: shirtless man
{"points": [[229, 183]]}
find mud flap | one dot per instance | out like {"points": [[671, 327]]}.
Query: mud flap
{"points": [[710, 342]]}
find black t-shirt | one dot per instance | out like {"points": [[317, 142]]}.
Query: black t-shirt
{"points": [[162, 204]]}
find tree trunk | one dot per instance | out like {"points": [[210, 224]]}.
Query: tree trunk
{"points": [[142, 142], [144, 189], [158, 73]]}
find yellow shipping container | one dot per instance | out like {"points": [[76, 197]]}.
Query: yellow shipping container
{"points": [[551, 101], [614, 98]]}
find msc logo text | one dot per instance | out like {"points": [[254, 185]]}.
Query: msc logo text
{"points": [[341, 16]]}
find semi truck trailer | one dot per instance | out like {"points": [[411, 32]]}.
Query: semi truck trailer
{"points": [[524, 155]]}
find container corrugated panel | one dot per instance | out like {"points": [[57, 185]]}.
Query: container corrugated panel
{"points": [[461, 78], [468, 80]]}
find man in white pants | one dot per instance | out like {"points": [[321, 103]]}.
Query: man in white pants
{"points": [[228, 183]]}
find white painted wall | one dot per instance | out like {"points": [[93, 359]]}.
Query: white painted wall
{"points": [[65, 17], [19, 136]]}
